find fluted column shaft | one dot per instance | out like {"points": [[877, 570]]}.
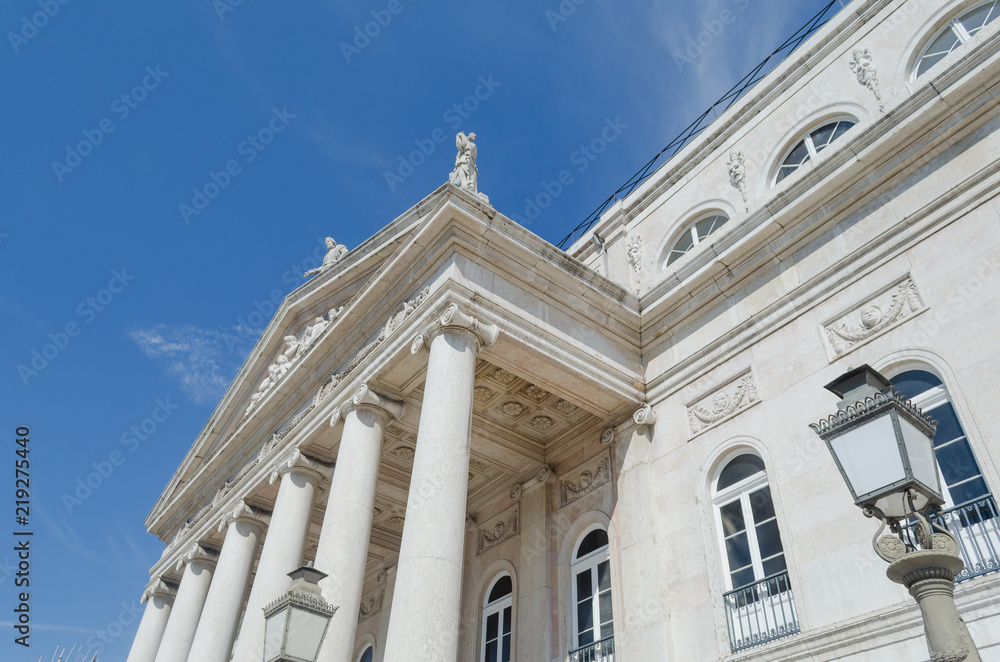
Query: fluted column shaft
{"points": [[159, 599], [283, 548], [213, 641], [183, 622], [426, 609], [343, 542]]}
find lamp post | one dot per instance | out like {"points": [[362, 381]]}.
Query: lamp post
{"points": [[884, 448], [295, 623]]}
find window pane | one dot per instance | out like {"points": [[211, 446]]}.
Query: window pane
{"points": [[761, 504], [775, 565], [768, 539], [584, 587], [604, 576], [505, 654], [683, 245], [491, 652], [492, 626], [501, 589], [823, 136], [595, 540], [732, 518], [956, 462], [604, 606], [742, 467], [914, 382], [968, 491], [938, 49], [978, 18], [738, 551], [709, 225], [794, 160], [585, 620], [368, 655], [948, 426], [506, 620], [742, 578]]}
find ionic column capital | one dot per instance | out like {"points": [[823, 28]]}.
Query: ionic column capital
{"points": [[455, 318], [544, 475], [299, 461], [158, 588], [366, 397], [242, 512], [644, 416], [197, 553]]}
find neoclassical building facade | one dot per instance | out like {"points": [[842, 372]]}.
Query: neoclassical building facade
{"points": [[499, 450]]}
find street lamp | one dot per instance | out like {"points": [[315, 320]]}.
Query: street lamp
{"points": [[884, 447], [296, 623]]}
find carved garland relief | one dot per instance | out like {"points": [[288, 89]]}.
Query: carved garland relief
{"points": [[737, 394], [500, 528], [887, 309], [584, 479]]}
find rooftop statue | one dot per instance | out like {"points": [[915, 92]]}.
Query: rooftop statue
{"points": [[335, 253], [466, 174]]}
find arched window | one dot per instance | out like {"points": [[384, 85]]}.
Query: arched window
{"points": [[957, 32], [694, 234], [810, 145], [759, 604], [367, 655], [497, 620], [592, 617], [961, 478]]}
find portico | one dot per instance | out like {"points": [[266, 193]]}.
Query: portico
{"points": [[394, 455]]}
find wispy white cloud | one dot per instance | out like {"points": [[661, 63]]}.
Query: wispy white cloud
{"points": [[200, 360]]}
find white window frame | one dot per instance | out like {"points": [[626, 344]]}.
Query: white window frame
{"points": [[741, 491], [806, 137], [490, 608], [958, 29], [364, 650], [692, 230], [589, 564]]}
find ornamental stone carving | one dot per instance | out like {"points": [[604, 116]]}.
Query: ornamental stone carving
{"points": [[512, 409], [158, 588], [584, 479], [404, 453], [542, 423], [366, 397], [634, 252], [454, 317], [540, 478], [504, 377], [535, 393], [565, 407], [863, 66], [734, 396], [241, 511], [466, 174], [479, 465], [876, 315], [737, 167], [500, 528], [297, 460], [371, 603], [197, 553], [482, 394]]}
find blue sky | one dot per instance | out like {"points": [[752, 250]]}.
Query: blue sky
{"points": [[128, 300]]}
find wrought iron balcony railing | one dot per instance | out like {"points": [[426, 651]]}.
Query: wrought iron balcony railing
{"points": [[761, 612], [976, 525], [599, 651]]}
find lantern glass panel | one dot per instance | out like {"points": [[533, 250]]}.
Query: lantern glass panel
{"points": [[869, 455], [274, 632], [920, 449], [305, 633]]}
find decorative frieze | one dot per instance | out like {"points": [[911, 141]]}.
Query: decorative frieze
{"points": [[872, 317], [734, 396], [584, 479], [500, 528], [371, 603]]}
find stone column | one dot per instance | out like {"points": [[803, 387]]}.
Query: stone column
{"points": [[534, 579], [343, 542], [424, 623], [213, 641], [199, 564], [388, 577], [284, 545], [159, 598], [640, 624]]}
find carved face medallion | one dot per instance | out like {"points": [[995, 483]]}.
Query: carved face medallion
{"points": [[870, 316], [720, 402]]}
